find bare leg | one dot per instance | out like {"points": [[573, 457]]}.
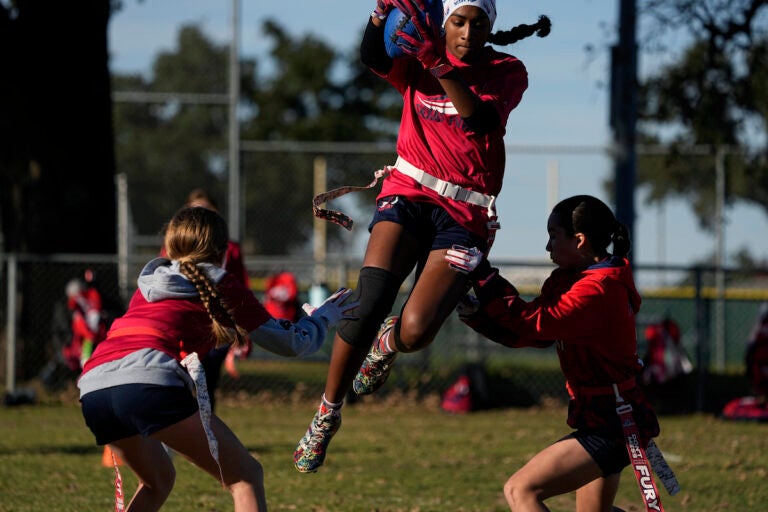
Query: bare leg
{"points": [[390, 248], [243, 474], [345, 361], [434, 296], [558, 469], [598, 495], [153, 467]]}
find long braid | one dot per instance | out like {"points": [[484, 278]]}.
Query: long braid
{"points": [[505, 37], [213, 304]]}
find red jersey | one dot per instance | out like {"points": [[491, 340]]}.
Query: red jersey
{"points": [[434, 138], [184, 321]]}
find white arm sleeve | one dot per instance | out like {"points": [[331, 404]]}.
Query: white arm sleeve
{"points": [[289, 339]]}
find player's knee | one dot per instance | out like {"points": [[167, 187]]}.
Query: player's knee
{"points": [[376, 291], [412, 334], [511, 493], [519, 495], [160, 485], [248, 478]]}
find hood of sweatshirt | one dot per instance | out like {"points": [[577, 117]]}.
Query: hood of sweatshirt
{"points": [[619, 269], [162, 279]]}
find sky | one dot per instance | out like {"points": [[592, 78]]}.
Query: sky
{"points": [[564, 107]]}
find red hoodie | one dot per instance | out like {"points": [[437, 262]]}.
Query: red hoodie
{"points": [[590, 317]]}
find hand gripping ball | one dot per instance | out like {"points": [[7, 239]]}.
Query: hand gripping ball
{"points": [[398, 21]]}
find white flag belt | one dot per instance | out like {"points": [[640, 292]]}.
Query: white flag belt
{"points": [[446, 188]]}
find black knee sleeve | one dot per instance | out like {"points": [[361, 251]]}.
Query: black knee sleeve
{"points": [[376, 290]]}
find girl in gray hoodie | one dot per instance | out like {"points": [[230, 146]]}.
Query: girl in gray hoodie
{"points": [[144, 385]]}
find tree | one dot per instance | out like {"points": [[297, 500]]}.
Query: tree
{"points": [[715, 95], [168, 148], [303, 101], [56, 150], [57, 191]]}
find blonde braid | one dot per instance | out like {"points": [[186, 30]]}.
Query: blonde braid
{"points": [[210, 298]]}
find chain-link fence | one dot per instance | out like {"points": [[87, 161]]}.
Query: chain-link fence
{"points": [[278, 179], [714, 324]]}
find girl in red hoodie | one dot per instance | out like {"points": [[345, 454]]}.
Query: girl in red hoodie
{"points": [[587, 309]]}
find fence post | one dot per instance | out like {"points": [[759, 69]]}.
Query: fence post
{"points": [[720, 200], [123, 234], [702, 339], [10, 361], [320, 226]]}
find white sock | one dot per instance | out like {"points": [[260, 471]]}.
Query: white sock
{"points": [[332, 405], [384, 345]]}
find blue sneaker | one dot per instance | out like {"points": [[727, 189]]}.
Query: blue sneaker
{"points": [[375, 369], [310, 452]]}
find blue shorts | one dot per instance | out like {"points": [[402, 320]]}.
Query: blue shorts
{"points": [[426, 221], [609, 453], [135, 409]]}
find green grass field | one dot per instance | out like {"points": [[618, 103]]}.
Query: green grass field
{"points": [[391, 455]]}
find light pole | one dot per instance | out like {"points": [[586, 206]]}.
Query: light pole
{"points": [[623, 114], [234, 127]]}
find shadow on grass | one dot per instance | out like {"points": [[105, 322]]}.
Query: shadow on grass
{"points": [[510, 386], [52, 450], [503, 386]]}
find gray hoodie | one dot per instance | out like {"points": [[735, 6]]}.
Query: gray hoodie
{"points": [[161, 279]]}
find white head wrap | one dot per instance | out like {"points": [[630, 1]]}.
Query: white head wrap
{"points": [[488, 6]]}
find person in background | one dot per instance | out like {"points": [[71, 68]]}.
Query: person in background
{"points": [[458, 93], [281, 296], [233, 263], [87, 320], [587, 309], [756, 358], [663, 361], [143, 387], [666, 364]]}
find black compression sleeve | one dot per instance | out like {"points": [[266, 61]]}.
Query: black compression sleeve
{"points": [[372, 51]]}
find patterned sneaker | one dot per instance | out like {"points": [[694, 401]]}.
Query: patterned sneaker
{"points": [[310, 452], [375, 369]]}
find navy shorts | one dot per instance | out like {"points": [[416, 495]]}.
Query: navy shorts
{"points": [[426, 221], [609, 453], [135, 409]]}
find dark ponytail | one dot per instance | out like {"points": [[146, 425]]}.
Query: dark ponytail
{"points": [[621, 242], [589, 215], [505, 37]]}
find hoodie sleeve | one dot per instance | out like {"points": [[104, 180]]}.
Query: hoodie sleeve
{"points": [[281, 337], [493, 320], [587, 310], [288, 339]]}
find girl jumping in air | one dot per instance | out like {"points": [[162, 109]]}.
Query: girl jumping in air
{"points": [[458, 93]]}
